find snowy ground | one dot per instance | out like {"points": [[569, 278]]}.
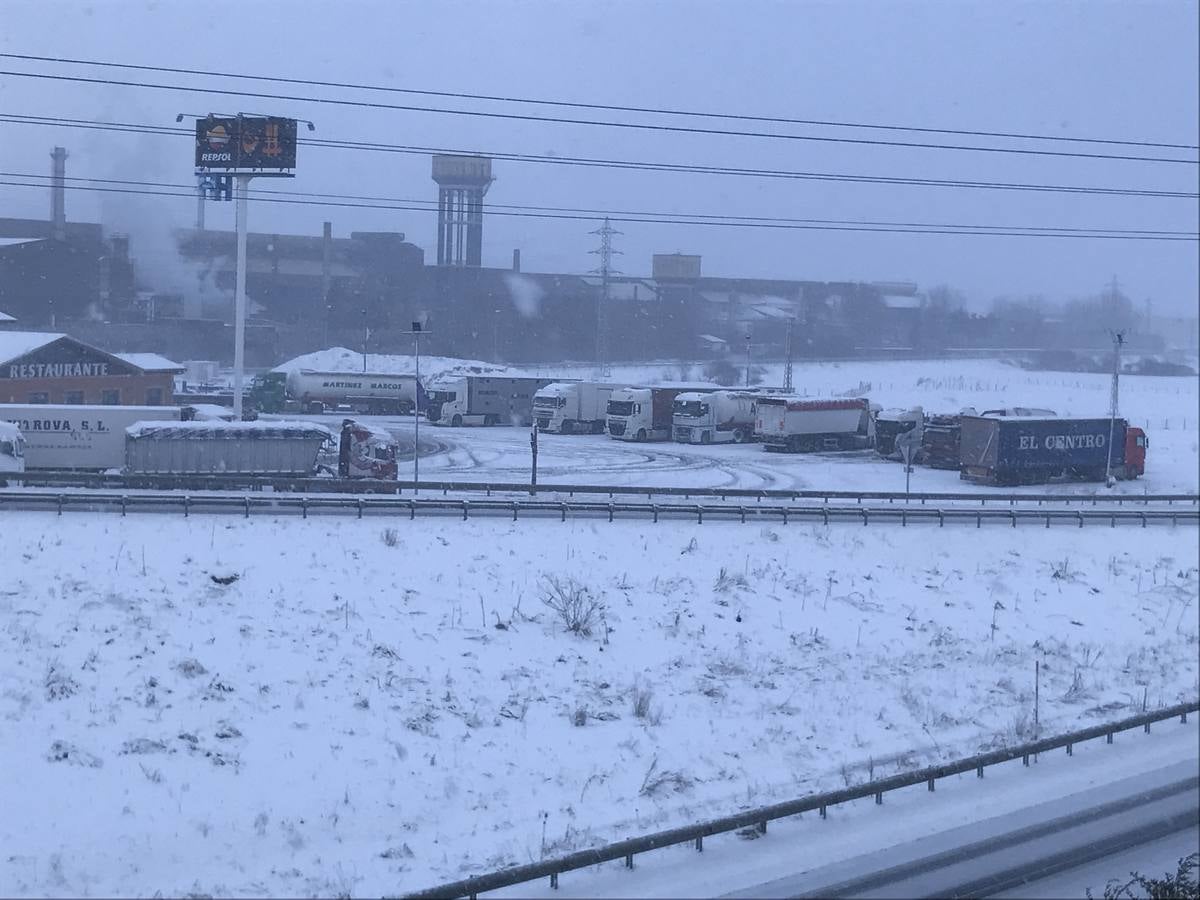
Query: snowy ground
{"points": [[365, 707], [1168, 408]]}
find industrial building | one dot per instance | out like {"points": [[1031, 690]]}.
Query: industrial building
{"points": [[45, 367]]}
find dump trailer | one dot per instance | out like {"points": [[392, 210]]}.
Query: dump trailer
{"points": [[224, 448], [939, 440], [1011, 450], [568, 407], [891, 423], [720, 417], [799, 425], [361, 392], [81, 438], [645, 413], [483, 400]]}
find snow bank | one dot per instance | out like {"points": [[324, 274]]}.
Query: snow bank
{"points": [[356, 707]]}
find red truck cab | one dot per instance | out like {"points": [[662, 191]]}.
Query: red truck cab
{"points": [[1135, 452]]}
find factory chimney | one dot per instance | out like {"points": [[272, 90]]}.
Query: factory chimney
{"points": [[58, 187]]}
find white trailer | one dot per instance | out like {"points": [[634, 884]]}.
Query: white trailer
{"points": [[12, 450], [720, 417], [363, 392], [482, 400], [79, 437], [797, 425], [567, 407]]}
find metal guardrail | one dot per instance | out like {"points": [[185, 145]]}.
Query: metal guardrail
{"points": [[364, 486], [286, 504], [758, 818]]}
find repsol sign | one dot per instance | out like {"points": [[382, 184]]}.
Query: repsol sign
{"points": [[1063, 442]]}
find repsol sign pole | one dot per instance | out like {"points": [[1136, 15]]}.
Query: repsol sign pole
{"points": [[238, 148]]}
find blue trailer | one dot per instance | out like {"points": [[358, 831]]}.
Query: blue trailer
{"points": [[1024, 450]]}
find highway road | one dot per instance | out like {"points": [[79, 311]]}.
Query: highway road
{"points": [[1016, 850]]}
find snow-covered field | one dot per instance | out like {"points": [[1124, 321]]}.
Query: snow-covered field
{"points": [[1167, 408], [283, 707]]}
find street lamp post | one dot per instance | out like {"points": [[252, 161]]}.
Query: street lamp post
{"points": [[747, 359], [416, 333]]}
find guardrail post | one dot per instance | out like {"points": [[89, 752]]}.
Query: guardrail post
{"points": [[304, 507], [979, 771], [1025, 759], [246, 501], [610, 510], [823, 812], [1047, 518], [1143, 515], [783, 509], [1183, 717], [699, 515], [653, 508], [825, 514], [629, 860], [1080, 514], [762, 827], [864, 515], [699, 843], [516, 506], [1108, 738], [466, 504], [1013, 513], [931, 783], [412, 509], [554, 880], [903, 518], [742, 509], [60, 504], [1070, 749], [124, 500], [360, 507], [1147, 728], [879, 798], [186, 502]]}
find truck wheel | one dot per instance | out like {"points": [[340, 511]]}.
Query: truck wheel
{"points": [[641, 435], [456, 421], [705, 437], [568, 426], [739, 435]]}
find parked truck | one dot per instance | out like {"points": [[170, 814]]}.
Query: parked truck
{"points": [[798, 425], [567, 407], [891, 423], [483, 400], [645, 413], [366, 451], [719, 417], [68, 436], [365, 392], [12, 450], [1011, 450]]}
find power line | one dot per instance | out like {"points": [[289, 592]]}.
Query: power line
{"points": [[622, 164], [607, 107], [563, 120], [916, 228], [431, 205]]}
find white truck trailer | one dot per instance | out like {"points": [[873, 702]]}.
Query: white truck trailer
{"points": [[67, 436], [482, 400], [799, 425], [362, 392], [567, 407], [645, 413], [720, 417]]}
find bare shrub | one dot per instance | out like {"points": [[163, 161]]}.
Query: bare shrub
{"points": [[642, 696], [663, 780], [59, 685], [573, 603], [579, 716], [390, 537], [726, 582]]}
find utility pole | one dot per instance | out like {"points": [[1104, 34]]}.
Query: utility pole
{"points": [[747, 359], [787, 354], [1118, 339], [416, 333], [239, 303], [606, 252]]}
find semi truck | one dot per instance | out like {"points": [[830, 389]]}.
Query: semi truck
{"points": [[720, 417], [483, 400], [69, 436], [567, 407], [799, 425], [891, 423], [645, 413], [366, 451], [1009, 450], [365, 392], [12, 450]]}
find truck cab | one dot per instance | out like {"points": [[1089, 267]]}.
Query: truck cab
{"points": [[630, 416], [446, 402], [1136, 443], [719, 417], [365, 451], [12, 450]]}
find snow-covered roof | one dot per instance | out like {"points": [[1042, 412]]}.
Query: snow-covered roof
{"points": [[713, 339], [208, 412], [219, 430], [5, 317], [15, 344], [151, 362], [900, 301]]}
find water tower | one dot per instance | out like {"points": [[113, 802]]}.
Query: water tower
{"points": [[462, 182]]}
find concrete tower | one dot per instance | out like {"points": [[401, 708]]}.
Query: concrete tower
{"points": [[462, 183]]}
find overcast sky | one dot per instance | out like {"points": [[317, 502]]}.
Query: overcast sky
{"points": [[1115, 70]]}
